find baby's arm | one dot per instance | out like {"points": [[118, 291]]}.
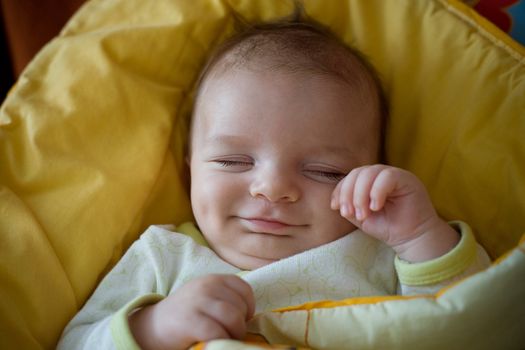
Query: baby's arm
{"points": [[210, 307], [148, 271], [131, 278], [393, 206], [429, 277]]}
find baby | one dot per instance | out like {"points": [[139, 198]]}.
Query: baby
{"points": [[290, 203]]}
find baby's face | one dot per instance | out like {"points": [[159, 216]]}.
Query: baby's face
{"points": [[267, 151]]}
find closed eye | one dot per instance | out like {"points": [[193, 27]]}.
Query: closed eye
{"points": [[226, 163], [328, 175]]}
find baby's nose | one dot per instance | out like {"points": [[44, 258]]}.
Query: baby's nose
{"points": [[275, 187]]}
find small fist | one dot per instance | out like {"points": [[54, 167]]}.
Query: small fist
{"points": [[206, 308], [388, 203]]}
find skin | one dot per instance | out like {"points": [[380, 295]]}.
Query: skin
{"points": [[281, 163], [267, 149]]}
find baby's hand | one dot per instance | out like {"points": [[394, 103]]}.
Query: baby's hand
{"points": [[207, 308], [393, 206]]}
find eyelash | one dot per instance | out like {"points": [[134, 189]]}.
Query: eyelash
{"points": [[328, 174], [229, 163], [225, 163]]}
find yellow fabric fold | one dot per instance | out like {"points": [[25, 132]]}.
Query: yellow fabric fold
{"points": [[92, 136]]}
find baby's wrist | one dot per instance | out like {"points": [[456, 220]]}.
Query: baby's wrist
{"points": [[140, 323], [437, 239]]}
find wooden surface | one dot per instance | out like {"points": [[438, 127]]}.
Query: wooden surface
{"points": [[30, 24]]}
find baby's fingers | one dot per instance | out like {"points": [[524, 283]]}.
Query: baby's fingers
{"points": [[362, 192], [207, 328], [242, 293], [385, 184], [344, 194], [229, 302], [228, 318], [335, 202]]}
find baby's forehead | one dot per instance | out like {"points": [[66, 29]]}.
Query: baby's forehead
{"points": [[284, 103], [223, 79], [291, 96], [297, 51]]}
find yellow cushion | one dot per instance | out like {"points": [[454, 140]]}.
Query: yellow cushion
{"points": [[92, 136]]}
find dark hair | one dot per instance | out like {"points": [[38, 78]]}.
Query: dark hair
{"points": [[299, 46]]}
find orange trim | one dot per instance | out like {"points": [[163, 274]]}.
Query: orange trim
{"points": [[306, 332], [488, 29], [327, 304], [502, 257], [520, 247], [199, 346], [260, 341], [255, 338], [443, 290]]}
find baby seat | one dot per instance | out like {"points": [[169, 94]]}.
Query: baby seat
{"points": [[91, 153]]}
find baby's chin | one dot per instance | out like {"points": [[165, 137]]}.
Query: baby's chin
{"points": [[252, 261], [248, 262], [261, 257]]}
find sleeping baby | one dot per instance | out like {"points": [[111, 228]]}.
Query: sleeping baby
{"points": [[290, 200]]}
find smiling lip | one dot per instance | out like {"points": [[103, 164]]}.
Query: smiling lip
{"points": [[266, 225]]}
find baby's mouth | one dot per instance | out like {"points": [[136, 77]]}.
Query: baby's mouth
{"points": [[267, 225]]}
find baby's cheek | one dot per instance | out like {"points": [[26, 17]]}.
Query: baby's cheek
{"points": [[339, 226], [211, 198], [200, 201], [329, 223]]}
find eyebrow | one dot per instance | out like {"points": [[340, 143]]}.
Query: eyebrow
{"points": [[227, 138], [335, 149], [234, 140]]}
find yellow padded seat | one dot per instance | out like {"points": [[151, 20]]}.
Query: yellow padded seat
{"points": [[91, 152]]}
